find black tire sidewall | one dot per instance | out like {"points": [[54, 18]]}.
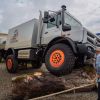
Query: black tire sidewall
{"points": [[67, 66]]}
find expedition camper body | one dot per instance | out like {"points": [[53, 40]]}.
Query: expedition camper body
{"points": [[59, 40], [3, 38]]}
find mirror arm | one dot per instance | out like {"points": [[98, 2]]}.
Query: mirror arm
{"points": [[57, 22]]}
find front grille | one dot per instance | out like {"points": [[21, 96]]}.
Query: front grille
{"points": [[91, 39]]}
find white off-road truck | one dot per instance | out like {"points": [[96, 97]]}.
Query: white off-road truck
{"points": [[57, 39]]}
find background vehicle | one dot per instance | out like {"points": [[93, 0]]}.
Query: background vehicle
{"points": [[3, 38], [58, 39]]}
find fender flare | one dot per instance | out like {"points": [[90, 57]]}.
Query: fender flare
{"points": [[69, 42], [64, 40], [10, 51]]}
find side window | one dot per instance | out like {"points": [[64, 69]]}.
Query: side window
{"points": [[71, 21], [75, 23], [52, 24]]}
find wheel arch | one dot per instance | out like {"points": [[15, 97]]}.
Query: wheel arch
{"points": [[64, 40], [9, 52], [57, 59]]}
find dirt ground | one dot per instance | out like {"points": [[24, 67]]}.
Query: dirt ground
{"points": [[77, 96], [5, 87], [5, 80]]}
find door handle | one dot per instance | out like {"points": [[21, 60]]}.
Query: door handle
{"points": [[46, 32]]}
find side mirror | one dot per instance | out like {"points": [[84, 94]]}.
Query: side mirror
{"points": [[66, 27], [52, 19], [45, 20], [46, 16]]}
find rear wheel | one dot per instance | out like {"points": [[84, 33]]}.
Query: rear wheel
{"points": [[60, 59], [11, 64]]}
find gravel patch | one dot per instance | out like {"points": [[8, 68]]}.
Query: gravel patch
{"points": [[5, 81], [77, 96], [6, 86]]}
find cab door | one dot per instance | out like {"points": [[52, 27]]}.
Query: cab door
{"points": [[51, 30], [76, 32]]}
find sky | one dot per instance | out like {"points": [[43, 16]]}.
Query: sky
{"points": [[15, 12]]}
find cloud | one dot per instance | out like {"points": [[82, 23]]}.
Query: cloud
{"points": [[87, 13], [14, 12]]}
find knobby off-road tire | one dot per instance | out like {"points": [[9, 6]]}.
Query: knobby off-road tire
{"points": [[60, 59], [11, 64]]}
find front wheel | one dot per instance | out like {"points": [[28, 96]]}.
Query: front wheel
{"points": [[60, 59], [11, 64]]}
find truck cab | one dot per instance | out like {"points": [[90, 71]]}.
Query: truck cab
{"points": [[63, 25]]}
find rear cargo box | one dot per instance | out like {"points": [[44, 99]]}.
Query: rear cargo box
{"points": [[23, 36]]}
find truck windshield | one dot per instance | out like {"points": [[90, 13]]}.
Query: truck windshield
{"points": [[70, 20]]}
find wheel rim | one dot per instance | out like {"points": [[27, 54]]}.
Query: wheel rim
{"points": [[57, 58], [9, 63]]}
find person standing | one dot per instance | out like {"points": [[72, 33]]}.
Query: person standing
{"points": [[98, 73]]}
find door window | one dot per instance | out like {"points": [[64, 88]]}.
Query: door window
{"points": [[57, 21], [52, 24], [71, 21]]}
